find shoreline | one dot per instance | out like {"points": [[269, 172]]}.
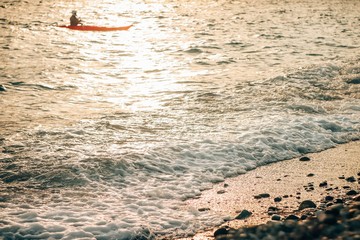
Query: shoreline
{"points": [[283, 185]]}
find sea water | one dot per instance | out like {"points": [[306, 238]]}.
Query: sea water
{"points": [[105, 135]]}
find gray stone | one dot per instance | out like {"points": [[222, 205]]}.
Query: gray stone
{"points": [[351, 193], [292, 217], [351, 179], [276, 218], [203, 209], [243, 215], [329, 198], [304, 159], [220, 232], [307, 204], [323, 184], [264, 195]]}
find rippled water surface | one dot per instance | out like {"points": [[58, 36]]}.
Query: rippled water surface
{"points": [[106, 134]]}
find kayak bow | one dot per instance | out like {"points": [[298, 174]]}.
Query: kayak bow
{"points": [[96, 28]]}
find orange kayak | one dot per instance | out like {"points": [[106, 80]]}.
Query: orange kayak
{"points": [[96, 28]]}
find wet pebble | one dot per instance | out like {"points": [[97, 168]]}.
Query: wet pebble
{"points": [[262, 195], [352, 193], [323, 184], [203, 209], [329, 198], [304, 159], [221, 192], [292, 217], [243, 214], [307, 204], [276, 217], [351, 179]]}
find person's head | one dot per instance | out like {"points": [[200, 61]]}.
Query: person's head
{"points": [[73, 12]]}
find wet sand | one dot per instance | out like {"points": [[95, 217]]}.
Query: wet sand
{"points": [[294, 181]]}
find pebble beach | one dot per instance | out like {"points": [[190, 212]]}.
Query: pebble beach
{"points": [[312, 197]]}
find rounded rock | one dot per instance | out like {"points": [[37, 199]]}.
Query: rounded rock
{"points": [[352, 193], [264, 195], [351, 179], [329, 198], [243, 214], [304, 159], [307, 204], [220, 232], [276, 218], [292, 217]]}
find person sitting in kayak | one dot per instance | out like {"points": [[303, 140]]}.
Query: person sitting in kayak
{"points": [[74, 20]]}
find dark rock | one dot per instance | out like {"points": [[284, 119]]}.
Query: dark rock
{"points": [[351, 193], [329, 198], [203, 209], [292, 217], [323, 184], [311, 175], [338, 200], [304, 159], [243, 215], [342, 177], [264, 195], [226, 185], [257, 197], [221, 232], [277, 199], [2, 88], [221, 192], [273, 210], [355, 80], [351, 179], [307, 204], [4, 198], [276, 218]]}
